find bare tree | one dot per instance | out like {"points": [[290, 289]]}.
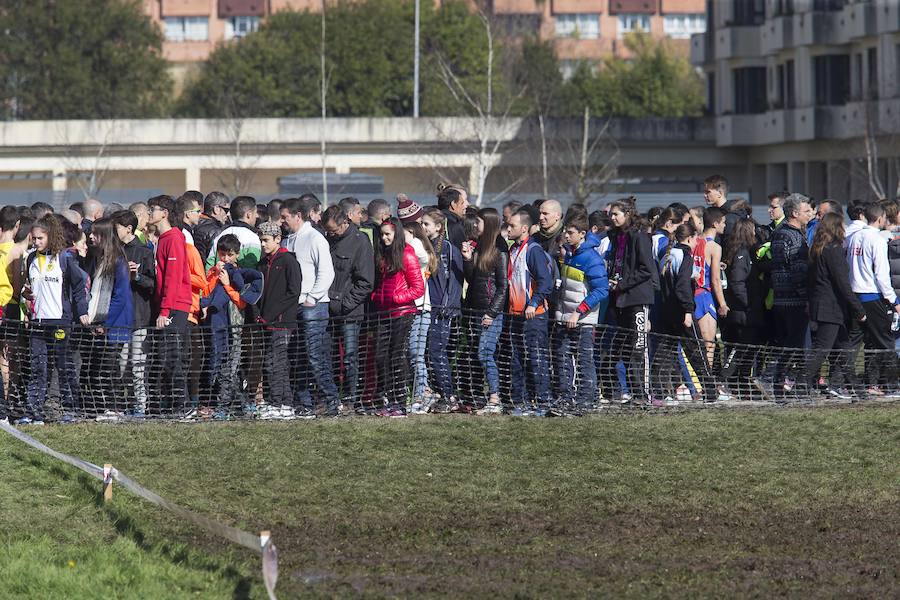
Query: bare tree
{"points": [[875, 154], [488, 124], [88, 164], [236, 177], [587, 161]]}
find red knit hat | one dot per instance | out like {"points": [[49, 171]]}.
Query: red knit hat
{"points": [[407, 210]]}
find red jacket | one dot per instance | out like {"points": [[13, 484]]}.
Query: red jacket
{"points": [[396, 292], [173, 274]]}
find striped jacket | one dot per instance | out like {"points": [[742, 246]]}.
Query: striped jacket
{"points": [[585, 287]]}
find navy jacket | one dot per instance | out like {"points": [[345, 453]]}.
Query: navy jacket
{"points": [[445, 284], [249, 283]]}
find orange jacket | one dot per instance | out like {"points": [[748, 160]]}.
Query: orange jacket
{"points": [[198, 282]]}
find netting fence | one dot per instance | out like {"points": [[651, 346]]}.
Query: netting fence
{"points": [[407, 364]]}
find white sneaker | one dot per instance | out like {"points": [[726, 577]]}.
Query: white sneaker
{"points": [[287, 413], [4, 421], [269, 413], [108, 417]]}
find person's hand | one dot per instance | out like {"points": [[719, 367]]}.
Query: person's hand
{"points": [[723, 310], [132, 269], [530, 312], [688, 320], [572, 320], [897, 308], [220, 266], [162, 321], [99, 331], [487, 321], [85, 320], [223, 277], [466, 250]]}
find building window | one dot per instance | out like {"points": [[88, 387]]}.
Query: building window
{"points": [[568, 67], [238, 27], [832, 79], [749, 12], [790, 96], [633, 22], [683, 26], [187, 29], [750, 90], [582, 26]]}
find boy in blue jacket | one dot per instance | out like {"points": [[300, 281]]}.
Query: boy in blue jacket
{"points": [[230, 289], [582, 301]]}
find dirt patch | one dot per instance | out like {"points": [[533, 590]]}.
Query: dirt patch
{"points": [[835, 550]]}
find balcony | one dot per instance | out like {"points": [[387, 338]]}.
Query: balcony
{"points": [[737, 42], [777, 34], [857, 20], [887, 16], [699, 54], [772, 127], [815, 28]]}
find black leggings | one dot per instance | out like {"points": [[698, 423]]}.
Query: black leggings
{"points": [[391, 362]]}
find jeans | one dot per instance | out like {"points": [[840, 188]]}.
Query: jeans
{"points": [[278, 366], [533, 334], [487, 349], [135, 353], [348, 334], [418, 342], [575, 346], [439, 355], [315, 367], [50, 340]]}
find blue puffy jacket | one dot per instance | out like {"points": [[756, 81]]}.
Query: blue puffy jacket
{"points": [[584, 284]]}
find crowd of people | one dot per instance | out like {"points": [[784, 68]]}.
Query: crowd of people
{"points": [[205, 307]]}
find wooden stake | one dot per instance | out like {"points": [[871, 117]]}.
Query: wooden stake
{"points": [[107, 483]]}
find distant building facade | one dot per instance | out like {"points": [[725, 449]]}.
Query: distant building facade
{"points": [[581, 30], [801, 86]]}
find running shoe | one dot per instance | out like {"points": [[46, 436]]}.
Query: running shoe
{"points": [[490, 409]]}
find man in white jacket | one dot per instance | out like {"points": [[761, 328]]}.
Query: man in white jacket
{"points": [[870, 279], [314, 255]]}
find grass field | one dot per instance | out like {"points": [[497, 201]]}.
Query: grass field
{"points": [[724, 503]]}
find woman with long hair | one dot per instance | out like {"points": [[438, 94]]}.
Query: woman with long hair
{"points": [[832, 305], [55, 294], [632, 278], [485, 267], [418, 240], [745, 298], [398, 283], [111, 311], [445, 292]]}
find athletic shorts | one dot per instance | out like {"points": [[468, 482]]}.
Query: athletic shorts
{"points": [[704, 305]]}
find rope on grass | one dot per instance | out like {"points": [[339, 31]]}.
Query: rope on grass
{"points": [[261, 544]]}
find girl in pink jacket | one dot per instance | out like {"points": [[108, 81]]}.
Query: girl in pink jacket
{"points": [[398, 283]]}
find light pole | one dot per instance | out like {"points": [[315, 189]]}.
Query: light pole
{"points": [[416, 66]]}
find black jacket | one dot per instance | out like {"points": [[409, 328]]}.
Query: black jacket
{"points": [[639, 277], [281, 289], [676, 290], [831, 300], [354, 274], [487, 291], [745, 295], [204, 234], [456, 231], [789, 266], [143, 284]]}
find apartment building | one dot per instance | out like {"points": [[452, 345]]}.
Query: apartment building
{"points": [[582, 30], [811, 89]]}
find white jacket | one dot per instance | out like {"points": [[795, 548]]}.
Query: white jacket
{"points": [[314, 255], [867, 256]]}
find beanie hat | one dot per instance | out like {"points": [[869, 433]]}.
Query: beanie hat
{"points": [[407, 210], [270, 228]]}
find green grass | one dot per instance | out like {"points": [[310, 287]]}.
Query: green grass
{"points": [[739, 503]]}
